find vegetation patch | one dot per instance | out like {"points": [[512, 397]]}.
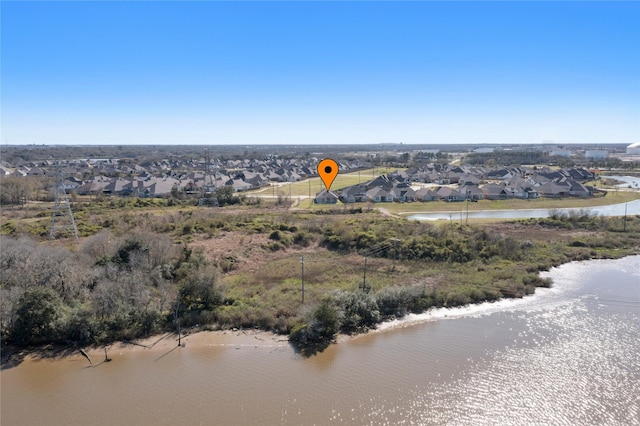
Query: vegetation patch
{"points": [[143, 268]]}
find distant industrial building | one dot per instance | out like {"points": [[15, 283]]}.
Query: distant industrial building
{"points": [[596, 154], [485, 150], [633, 149], [560, 152]]}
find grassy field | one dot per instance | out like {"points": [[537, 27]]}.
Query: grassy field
{"points": [[540, 203], [613, 197], [310, 187], [240, 266]]}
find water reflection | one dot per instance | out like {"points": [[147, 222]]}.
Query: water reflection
{"points": [[628, 181], [565, 356], [632, 208]]}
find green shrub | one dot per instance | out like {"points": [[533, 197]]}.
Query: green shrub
{"points": [[303, 239], [37, 317], [536, 281], [273, 246], [358, 311], [395, 302]]}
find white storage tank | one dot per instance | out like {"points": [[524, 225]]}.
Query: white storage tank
{"points": [[634, 149]]}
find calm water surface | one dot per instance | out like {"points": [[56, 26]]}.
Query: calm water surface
{"points": [[630, 208], [568, 355], [628, 181]]}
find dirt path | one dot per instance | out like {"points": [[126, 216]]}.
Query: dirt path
{"points": [[387, 213]]}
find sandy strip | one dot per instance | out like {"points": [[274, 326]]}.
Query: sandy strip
{"points": [[159, 343]]}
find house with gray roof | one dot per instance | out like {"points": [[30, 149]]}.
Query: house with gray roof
{"points": [[326, 197], [449, 194], [403, 194], [426, 194], [493, 191], [379, 195], [472, 192]]}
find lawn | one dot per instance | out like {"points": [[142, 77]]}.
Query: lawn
{"points": [[310, 187], [441, 206], [540, 203]]}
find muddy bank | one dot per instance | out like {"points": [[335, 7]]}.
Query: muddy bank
{"points": [[12, 356]]}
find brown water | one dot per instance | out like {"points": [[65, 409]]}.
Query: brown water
{"points": [[568, 355]]}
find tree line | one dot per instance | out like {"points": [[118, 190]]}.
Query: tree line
{"points": [[112, 288]]}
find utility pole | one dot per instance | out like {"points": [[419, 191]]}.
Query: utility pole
{"points": [[395, 252], [625, 217], [451, 221], [302, 276], [148, 250], [364, 276], [467, 212]]}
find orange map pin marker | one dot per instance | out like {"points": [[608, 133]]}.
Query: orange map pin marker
{"points": [[328, 170]]}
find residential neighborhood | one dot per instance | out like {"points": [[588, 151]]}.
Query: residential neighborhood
{"points": [[162, 178], [459, 183], [422, 181]]}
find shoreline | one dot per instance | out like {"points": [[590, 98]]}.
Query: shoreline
{"points": [[160, 343], [496, 211], [253, 338]]}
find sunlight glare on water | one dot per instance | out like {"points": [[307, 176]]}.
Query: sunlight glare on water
{"points": [[568, 355]]}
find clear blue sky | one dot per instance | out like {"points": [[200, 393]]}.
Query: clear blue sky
{"points": [[319, 72]]}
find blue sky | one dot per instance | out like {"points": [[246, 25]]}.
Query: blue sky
{"points": [[319, 72]]}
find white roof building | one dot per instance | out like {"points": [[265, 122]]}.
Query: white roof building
{"points": [[634, 149], [596, 153]]}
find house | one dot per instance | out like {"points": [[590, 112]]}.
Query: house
{"points": [[493, 191], [354, 194], [466, 179], [383, 181], [36, 171], [520, 188], [326, 197], [426, 194], [579, 174], [379, 195], [500, 174], [403, 194], [449, 194], [238, 185], [71, 184], [452, 177], [118, 186], [156, 187], [93, 187], [576, 189], [552, 190], [473, 193]]}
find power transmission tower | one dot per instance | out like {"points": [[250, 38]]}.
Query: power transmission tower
{"points": [[208, 185], [62, 221]]}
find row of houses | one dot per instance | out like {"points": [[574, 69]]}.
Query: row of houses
{"points": [[496, 185], [273, 169], [160, 178], [188, 183]]}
